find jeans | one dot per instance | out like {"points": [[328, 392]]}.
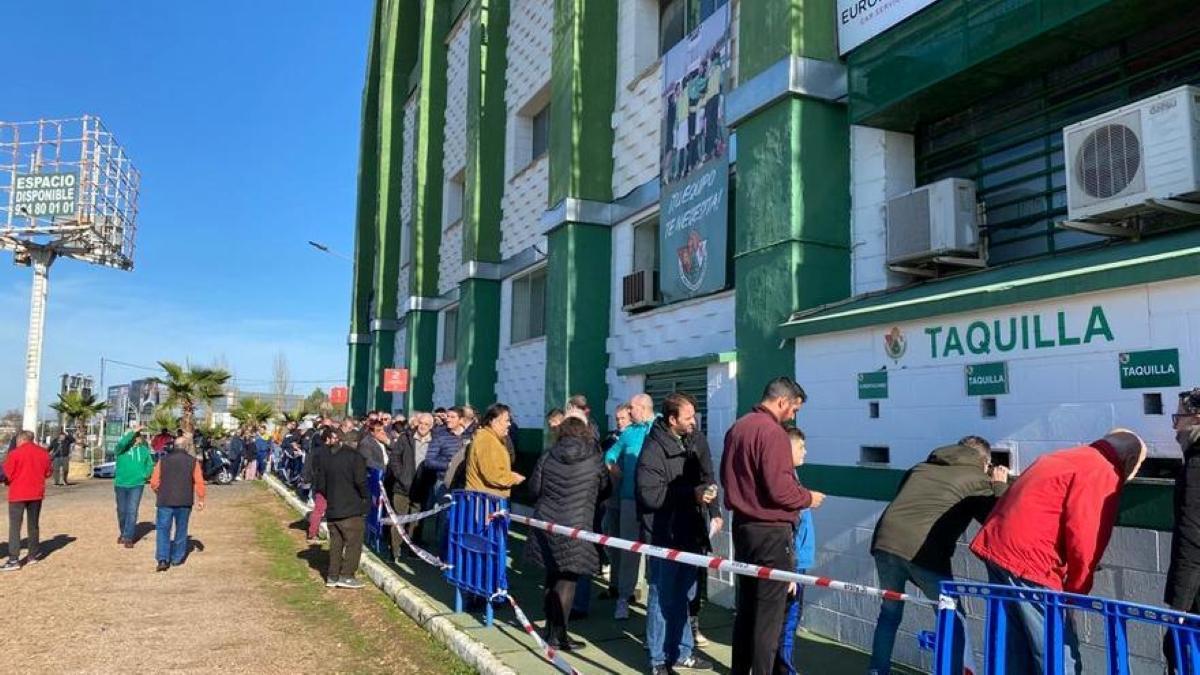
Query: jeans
{"points": [[172, 549], [761, 603], [261, 464], [787, 639], [30, 512], [668, 634], [128, 500], [1025, 648], [61, 466], [625, 565], [315, 516], [894, 573]]}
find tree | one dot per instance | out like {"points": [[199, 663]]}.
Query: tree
{"points": [[296, 415], [187, 387], [282, 380], [77, 407], [252, 412], [162, 420], [318, 402]]}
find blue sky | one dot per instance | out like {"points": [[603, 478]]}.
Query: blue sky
{"points": [[243, 118]]}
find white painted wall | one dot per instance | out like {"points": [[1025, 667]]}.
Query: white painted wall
{"points": [[530, 29], [637, 116], [521, 369], [882, 165], [407, 176], [1059, 397], [443, 385], [451, 269]]}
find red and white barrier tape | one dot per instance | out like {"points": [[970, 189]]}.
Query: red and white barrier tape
{"points": [[552, 655], [396, 522], [713, 562], [393, 519]]}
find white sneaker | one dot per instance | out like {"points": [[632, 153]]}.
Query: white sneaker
{"points": [[622, 611]]}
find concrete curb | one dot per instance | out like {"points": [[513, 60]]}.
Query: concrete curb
{"points": [[470, 650]]}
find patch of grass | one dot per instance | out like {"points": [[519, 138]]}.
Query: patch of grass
{"points": [[366, 648]]}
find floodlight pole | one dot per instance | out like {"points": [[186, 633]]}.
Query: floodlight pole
{"points": [[41, 257]]}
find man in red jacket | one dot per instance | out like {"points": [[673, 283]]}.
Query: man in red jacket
{"points": [[27, 467], [762, 491], [1049, 531]]}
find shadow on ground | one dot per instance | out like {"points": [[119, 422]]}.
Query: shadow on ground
{"points": [[45, 548]]}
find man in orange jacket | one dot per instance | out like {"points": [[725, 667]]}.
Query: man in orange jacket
{"points": [[26, 469], [1049, 531]]}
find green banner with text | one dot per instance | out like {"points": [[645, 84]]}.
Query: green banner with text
{"points": [[987, 379], [873, 385], [1148, 369]]}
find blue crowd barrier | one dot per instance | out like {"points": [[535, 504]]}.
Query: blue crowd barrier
{"points": [[477, 548], [1182, 630], [376, 533]]}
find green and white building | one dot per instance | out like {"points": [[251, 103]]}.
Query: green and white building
{"points": [[941, 216]]}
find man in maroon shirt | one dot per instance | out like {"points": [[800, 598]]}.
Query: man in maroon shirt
{"points": [[762, 491]]}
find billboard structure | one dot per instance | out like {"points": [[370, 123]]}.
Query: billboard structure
{"points": [[67, 190]]}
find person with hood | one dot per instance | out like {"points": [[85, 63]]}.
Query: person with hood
{"points": [[916, 536], [1183, 576], [60, 456], [673, 501], [342, 478], [179, 483], [488, 465], [26, 468], [134, 465], [567, 481], [1049, 531]]}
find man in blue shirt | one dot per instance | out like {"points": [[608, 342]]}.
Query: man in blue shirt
{"points": [[622, 460]]}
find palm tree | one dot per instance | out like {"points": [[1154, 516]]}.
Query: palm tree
{"points": [[162, 420], [187, 387], [78, 407], [252, 412], [296, 415]]}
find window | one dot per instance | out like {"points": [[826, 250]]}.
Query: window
{"points": [[540, 141], [874, 454], [450, 334], [529, 306], [678, 18], [452, 201], [645, 245]]}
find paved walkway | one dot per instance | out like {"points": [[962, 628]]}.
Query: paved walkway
{"points": [[612, 646], [247, 599]]}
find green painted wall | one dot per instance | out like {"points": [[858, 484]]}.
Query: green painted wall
{"points": [[792, 225], [773, 29], [358, 375], [399, 49], [478, 342], [577, 302], [582, 94], [1143, 505], [421, 359]]}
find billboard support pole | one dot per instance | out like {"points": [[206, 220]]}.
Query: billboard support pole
{"points": [[42, 258]]}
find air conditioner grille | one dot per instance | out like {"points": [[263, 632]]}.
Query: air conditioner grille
{"points": [[1109, 160]]}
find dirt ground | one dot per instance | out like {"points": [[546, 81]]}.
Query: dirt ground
{"points": [[248, 599]]}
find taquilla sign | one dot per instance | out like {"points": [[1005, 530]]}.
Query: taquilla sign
{"points": [[1101, 324]]}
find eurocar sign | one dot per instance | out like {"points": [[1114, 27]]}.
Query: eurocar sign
{"points": [[861, 20]]}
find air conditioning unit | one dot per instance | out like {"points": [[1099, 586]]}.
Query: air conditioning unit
{"points": [[639, 290], [1129, 160], [934, 221]]}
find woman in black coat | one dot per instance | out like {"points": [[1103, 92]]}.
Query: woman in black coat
{"points": [[567, 482]]}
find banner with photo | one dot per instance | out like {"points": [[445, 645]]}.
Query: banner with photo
{"points": [[118, 401], [694, 169]]}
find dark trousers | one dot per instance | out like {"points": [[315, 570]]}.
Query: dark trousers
{"points": [[761, 604], [30, 512], [560, 595], [62, 466], [402, 506], [345, 546]]}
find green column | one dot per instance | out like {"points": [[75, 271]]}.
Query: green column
{"points": [[364, 228], [421, 332], [582, 93], [398, 48], [479, 294], [792, 212]]}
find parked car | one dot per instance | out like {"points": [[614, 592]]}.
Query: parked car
{"points": [[105, 470]]}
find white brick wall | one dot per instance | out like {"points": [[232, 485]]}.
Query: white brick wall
{"points": [[399, 360], [443, 385], [521, 369], [882, 165], [637, 116], [403, 290], [530, 29], [1060, 396], [454, 145], [407, 171]]}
